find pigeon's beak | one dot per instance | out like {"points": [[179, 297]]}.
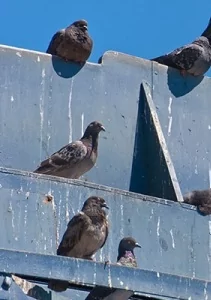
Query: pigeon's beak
{"points": [[137, 245], [85, 27], [103, 128], [105, 205]]}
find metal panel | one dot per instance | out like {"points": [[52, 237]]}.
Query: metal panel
{"points": [[46, 102], [175, 239], [144, 281], [183, 107]]}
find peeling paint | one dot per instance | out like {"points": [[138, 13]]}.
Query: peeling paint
{"points": [[196, 169], [41, 106], [210, 175], [70, 112], [158, 227], [122, 221], [169, 125], [205, 292], [158, 275], [18, 54], [67, 214], [38, 58], [12, 99], [172, 238], [169, 106], [82, 124]]}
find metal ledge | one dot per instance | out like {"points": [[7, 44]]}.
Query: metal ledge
{"points": [[45, 267]]}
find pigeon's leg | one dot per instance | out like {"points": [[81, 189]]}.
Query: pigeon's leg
{"points": [[107, 262]]}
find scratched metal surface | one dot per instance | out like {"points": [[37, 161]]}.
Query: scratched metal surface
{"points": [[46, 103], [175, 239]]}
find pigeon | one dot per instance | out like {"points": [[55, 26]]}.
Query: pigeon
{"points": [[126, 258], [194, 58], [72, 43], [76, 158], [86, 233], [201, 199]]}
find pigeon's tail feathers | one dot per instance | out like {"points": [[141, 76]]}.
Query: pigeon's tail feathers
{"points": [[58, 285], [45, 167], [207, 31], [55, 42], [165, 60]]}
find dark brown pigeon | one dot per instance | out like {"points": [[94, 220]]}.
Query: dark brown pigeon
{"points": [[76, 158], [126, 257], [201, 199], [86, 233], [72, 43]]}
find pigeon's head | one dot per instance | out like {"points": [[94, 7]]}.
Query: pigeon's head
{"points": [[128, 244], [94, 128], [95, 201], [81, 24]]}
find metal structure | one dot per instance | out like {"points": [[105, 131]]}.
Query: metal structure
{"points": [[155, 122]]}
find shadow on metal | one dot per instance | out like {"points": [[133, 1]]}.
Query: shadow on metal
{"points": [[65, 69], [151, 156]]}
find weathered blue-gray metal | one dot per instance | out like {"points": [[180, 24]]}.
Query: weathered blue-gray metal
{"points": [[175, 239], [154, 127], [46, 102], [144, 281]]}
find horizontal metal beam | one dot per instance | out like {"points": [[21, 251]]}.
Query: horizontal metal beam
{"points": [[84, 272]]}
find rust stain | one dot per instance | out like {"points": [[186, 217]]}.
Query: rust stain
{"points": [[48, 199]]}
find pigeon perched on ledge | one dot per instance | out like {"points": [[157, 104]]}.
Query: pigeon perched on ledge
{"points": [[72, 43], [76, 158], [86, 233], [126, 257], [201, 199], [194, 58]]}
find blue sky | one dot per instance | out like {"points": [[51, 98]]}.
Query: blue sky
{"points": [[145, 28]]}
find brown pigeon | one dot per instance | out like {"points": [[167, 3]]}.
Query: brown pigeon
{"points": [[126, 257], [76, 158], [86, 233], [201, 199], [72, 43]]}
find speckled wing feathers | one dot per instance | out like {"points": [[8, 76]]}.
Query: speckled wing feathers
{"points": [[75, 228], [68, 155]]}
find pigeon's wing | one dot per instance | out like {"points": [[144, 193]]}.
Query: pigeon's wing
{"points": [[68, 155], [55, 41], [182, 58], [75, 228], [186, 57], [167, 59], [98, 293], [106, 235]]}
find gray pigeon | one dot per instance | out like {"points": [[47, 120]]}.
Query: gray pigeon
{"points": [[126, 257], [201, 199], [76, 158], [194, 58], [86, 233], [72, 43]]}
